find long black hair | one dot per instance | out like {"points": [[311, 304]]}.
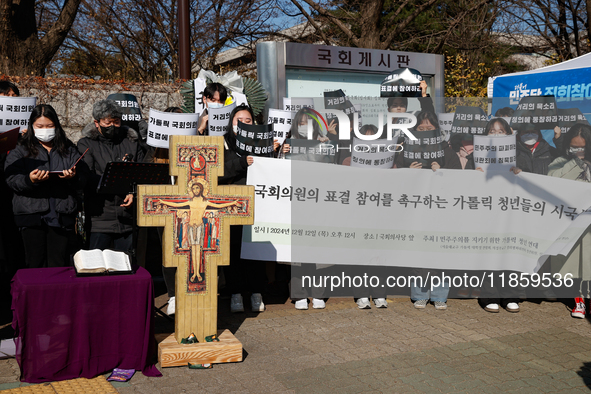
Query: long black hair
{"points": [[60, 142], [229, 136], [578, 130], [427, 115], [293, 131]]}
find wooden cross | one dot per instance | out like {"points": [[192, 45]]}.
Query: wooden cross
{"points": [[196, 215]]}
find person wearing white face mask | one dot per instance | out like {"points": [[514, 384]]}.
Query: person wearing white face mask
{"points": [[214, 96], [534, 154], [242, 276], [43, 173], [575, 164]]}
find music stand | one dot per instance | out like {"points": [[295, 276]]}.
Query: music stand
{"points": [[121, 177]]}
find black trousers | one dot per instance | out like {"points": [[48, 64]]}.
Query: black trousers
{"points": [[45, 246], [243, 276]]}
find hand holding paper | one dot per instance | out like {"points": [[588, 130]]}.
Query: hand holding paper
{"points": [[68, 174], [37, 175]]}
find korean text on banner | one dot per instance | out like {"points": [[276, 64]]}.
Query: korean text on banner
{"points": [[372, 155], [218, 119], [281, 121], [495, 152], [164, 124], [15, 112], [314, 213]]}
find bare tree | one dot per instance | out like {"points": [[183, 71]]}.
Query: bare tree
{"points": [[137, 39], [384, 24], [551, 28], [26, 49]]}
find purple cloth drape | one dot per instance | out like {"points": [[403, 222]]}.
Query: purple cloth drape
{"points": [[68, 327]]}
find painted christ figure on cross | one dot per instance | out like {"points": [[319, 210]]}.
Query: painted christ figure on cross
{"points": [[196, 206]]}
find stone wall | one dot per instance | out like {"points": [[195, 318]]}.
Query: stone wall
{"points": [[73, 98]]}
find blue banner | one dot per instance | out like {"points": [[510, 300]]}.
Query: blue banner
{"points": [[572, 89]]}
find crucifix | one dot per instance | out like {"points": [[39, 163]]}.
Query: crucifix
{"points": [[196, 215]]}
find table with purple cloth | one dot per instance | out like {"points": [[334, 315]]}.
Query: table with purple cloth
{"points": [[68, 327]]}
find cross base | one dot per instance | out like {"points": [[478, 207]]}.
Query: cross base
{"points": [[173, 354]]}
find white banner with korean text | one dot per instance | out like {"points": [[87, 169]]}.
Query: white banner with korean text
{"points": [[493, 152], [464, 220], [219, 119], [281, 121], [162, 125], [15, 112]]}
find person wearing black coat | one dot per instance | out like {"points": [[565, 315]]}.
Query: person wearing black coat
{"points": [[43, 173], [241, 275], [111, 215], [534, 154]]}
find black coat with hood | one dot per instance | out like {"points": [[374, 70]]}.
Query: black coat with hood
{"points": [[105, 210]]}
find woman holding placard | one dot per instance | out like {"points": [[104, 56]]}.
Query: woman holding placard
{"points": [[43, 173], [241, 275], [575, 164], [428, 127]]}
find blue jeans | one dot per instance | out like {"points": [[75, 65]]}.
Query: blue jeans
{"points": [[439, 293]]}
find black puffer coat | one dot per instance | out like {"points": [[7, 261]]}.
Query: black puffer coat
{"points": [[105, 210], [31, 200], [538, 161]]}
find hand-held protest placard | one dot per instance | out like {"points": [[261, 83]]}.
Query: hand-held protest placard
{"points": [[311, 150], [372, 156], [218, 120], [162, 125], [427, 148], [446, 120], [539, 113], [281, 121], [130, 108], [297, 103], [254, 140], [495, 152], [337, 99], [404, 82], [15, 112], [470, 120], [568, 117]]}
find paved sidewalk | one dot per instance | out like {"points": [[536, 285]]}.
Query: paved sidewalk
{"points": [[342, 349]]}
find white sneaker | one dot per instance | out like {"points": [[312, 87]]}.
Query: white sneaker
{"points": [[318, 303], [256, 302], [236, 303], [171, 306], [493, 308], [302, 304], [363, 303], [512, 307], [380, 302]]}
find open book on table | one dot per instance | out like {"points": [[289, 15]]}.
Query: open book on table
{"points": [[96, 261]]}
